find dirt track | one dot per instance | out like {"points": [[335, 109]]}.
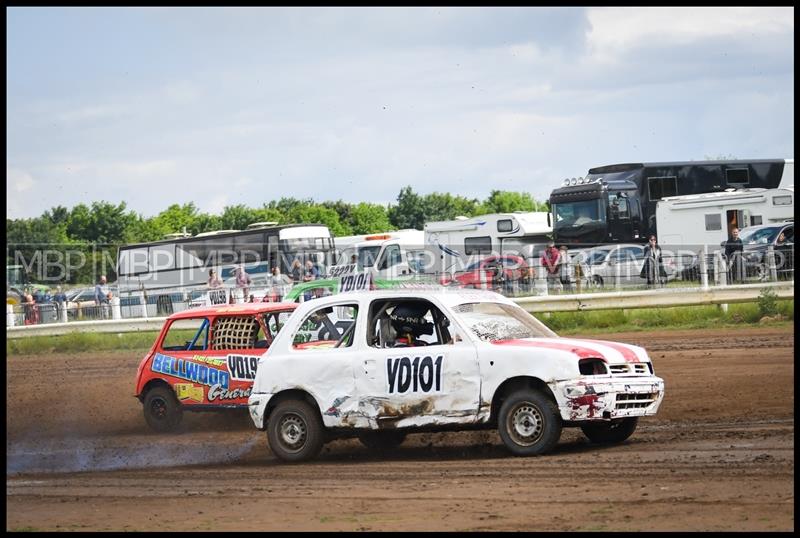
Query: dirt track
{"points": [[718, 456]]}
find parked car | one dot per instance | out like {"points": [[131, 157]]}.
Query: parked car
{"points": [[492, 272], [621, 265], [81, 304], [756, 241], [206, 358], [379, 364]]}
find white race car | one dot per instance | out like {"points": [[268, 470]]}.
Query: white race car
{"points": [[380, 364]]}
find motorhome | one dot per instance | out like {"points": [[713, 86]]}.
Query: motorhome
{"points": [[453, 245], [706, 219], [617, 203], [387, 254]]}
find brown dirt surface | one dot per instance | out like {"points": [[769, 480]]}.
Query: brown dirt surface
{"points": [[718, 456]]}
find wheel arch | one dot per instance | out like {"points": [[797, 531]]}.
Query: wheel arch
{"points": [[150, 385], [513, 384], [291, 394]]}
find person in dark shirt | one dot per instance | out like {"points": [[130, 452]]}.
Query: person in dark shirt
{"points": [[733, 253]]}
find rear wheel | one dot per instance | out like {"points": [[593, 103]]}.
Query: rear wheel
{"points": [[382, 440], [529, 423], [162, 411], [615, 431], [295, 431]]}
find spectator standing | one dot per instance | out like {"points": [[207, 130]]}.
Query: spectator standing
{"points": [[214, 282], [733, 253], [31, 310], [565, 269], [297, 271], [550, 258], [653, 266], [279, 283], [312, 273], [59, 297], [101, 297], [243, 281], [60, 300]]}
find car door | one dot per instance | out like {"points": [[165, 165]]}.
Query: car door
{"points": [[419, 384], [632, 258], [185, 359]]}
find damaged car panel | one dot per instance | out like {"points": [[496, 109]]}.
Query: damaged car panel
{"points": [[370, 363], [206, 359]]}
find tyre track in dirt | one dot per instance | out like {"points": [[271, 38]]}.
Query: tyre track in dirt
{"points": [[718, 456]]}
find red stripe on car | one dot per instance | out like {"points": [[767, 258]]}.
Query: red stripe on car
{"points": [[582, 352]]}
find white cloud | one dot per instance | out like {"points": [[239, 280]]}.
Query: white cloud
{"points": [[20, 180], [613, 30]]}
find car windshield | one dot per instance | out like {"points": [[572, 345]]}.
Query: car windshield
{"points": [[497, 321], [758, 236], [368, 255]]}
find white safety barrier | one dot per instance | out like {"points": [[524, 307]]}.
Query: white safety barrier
{"points": [[663, 297]]}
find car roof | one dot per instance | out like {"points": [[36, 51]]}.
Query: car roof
{"points": [[446, 295], [240, 308]]}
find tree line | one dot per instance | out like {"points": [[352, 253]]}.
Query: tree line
{"points": [[92, 233]]}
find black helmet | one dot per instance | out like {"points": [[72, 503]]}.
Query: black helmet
{"points": [[410, 318]]}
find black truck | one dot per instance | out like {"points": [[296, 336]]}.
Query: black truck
{"points": [[617, 203]]}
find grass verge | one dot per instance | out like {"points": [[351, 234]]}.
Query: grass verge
{"points": [[679, 317]]}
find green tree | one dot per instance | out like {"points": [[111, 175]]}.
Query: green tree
{"points": [[444, 206], [318, 214], [238, 217], [366, 218], [409, 211], [510, 201]]}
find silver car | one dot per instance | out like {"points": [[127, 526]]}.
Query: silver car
{"points": [[620, 265]]}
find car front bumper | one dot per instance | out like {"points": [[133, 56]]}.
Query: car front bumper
{"points": [[608, 398]]}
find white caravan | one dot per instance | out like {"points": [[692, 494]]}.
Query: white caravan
{"points": [[452, 245], [706, 219], [387, 254]]}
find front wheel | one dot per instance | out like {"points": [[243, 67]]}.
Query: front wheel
{"points": [[382, 440], [295, 431], [162, 411], [529, 423], [615, 431]]}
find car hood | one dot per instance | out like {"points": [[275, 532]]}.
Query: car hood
{"points": [[610, 352]]}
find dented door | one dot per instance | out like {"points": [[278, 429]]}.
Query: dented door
{"points": [[415, 386]]}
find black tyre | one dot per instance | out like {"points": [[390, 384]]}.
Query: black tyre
{"points": [[597, 281], [162, 411], [615, 431], [529, 423], [295, 431], [382, 440]]}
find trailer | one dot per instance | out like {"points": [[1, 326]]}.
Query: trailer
{"points": [[453, 245], [707, 219]]}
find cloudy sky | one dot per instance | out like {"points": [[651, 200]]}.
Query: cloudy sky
{"points": [[221, 106]]}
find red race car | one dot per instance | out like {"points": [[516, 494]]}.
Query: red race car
{"points": [[491, 272], [206, 358]]}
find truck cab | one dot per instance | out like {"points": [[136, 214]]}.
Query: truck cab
{"points": [[387, 255], [593, 210]]}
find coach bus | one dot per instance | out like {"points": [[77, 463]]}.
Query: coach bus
{"points": [[178, 262], [617, 203]]}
